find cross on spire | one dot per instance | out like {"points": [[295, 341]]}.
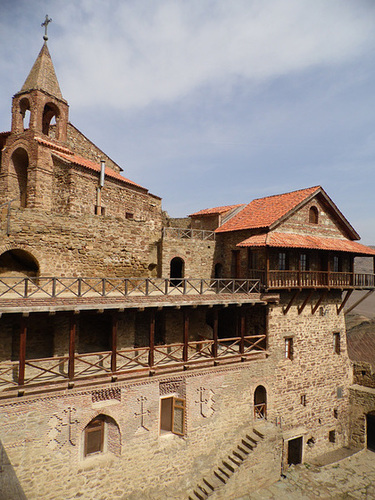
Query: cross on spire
{"points": [[45, 24]]}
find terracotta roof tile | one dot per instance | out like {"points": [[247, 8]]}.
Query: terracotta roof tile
{"points": [[263, 212], [289, 240], [215, 210], [83, 162]]}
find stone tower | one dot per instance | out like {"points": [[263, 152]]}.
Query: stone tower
{"points": [[39, 114]]}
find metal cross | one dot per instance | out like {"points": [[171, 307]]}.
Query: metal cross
{"points": [[45, 24]]}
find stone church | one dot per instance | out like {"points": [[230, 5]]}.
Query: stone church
{"points": [[146, 357]]}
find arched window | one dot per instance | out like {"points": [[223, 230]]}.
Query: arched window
{"points": [[50, 117], [20, 161], [25, 112], [102, 434], [177, 268], [313, 215], [260, 402]]}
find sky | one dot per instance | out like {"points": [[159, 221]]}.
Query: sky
{"points": [[213, 102]]}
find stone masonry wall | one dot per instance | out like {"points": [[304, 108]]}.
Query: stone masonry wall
{"points": [[85, 245]]}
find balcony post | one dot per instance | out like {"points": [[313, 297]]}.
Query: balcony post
{"points": [[242, 330], [22, 353], [267, 267], [151, 339], [215, 332], [186, 334], [114, 342], [72, 340]]}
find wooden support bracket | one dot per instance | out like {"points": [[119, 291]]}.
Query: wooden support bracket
{"points": [[320, 300], [294, 296], [342, 305], [304, 303], [359, 301]]}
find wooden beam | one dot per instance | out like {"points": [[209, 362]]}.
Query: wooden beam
{"points": [[304, 303], [321, 298], [359, 301], [342, 305], [72, 340], [22, 353], [215, 332], [151, 339], [186, 334], [294, 296], [114, 342]]}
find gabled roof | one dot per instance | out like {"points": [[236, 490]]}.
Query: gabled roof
{"points": [[215, 210], [67, 155], [267, 213], [42, 75], [290, 240]]}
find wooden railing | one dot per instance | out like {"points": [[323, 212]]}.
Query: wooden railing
{"points": [[13, 287], [133, 359], [182, 233], [312, 279]]}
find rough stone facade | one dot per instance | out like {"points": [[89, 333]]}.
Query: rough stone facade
{"points": [[161, 394]]}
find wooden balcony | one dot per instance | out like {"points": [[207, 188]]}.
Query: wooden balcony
{"points": [[313, 279]]}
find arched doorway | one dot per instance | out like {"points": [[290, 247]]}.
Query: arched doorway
{"points": [[370, 426], [260, 402], [20, 161], [17, 262], [177, 271]]}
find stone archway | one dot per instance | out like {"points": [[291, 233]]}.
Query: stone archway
{"points": [[18, 262], [20, 163], [177, 271]]}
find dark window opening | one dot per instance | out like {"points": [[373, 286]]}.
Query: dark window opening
{"points": [[235, 264], [303, 400], [335, 413], [50, 119], [260, 402], [129, 215], [337, 264], [289, 348], [20, 162], [370, 426], [304, 262], [313, 215], [332, 436], [218, 270], [336, 343], [283, 261], [94, 333]]}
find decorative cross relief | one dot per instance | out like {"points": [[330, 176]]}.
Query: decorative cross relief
{"points": [[66, 421], [143, 412], [206, 402]]}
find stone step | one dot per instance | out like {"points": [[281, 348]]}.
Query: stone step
{"points": [[247, 444], [209, 485], [228, 466], [224, 472], [235, 461], [219, 477]]}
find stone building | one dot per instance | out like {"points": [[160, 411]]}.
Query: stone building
{"points": [[144, 357]]}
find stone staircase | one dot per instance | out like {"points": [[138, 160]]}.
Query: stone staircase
{"points": [[227, 467]]}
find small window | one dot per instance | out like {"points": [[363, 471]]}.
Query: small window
{"points": [[313, 215], [282, 261], [172, 415], [94, 437], [303, 262], [337, 267], [303, 400], [336, 343], [332, 436], [289, 348], [339, 392], [129, 215], [99, 210], [335, 413]]}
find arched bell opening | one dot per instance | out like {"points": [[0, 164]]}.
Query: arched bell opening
{"points": [[51, 115], [20, 162], [17, 262], [25, 112]]}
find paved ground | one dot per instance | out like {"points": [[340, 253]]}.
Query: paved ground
{"points": [[349, 479]]}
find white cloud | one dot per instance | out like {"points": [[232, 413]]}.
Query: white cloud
{"points": [[130, 54]]}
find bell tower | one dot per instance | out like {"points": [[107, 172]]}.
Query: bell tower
{"points": [[39, 103]]}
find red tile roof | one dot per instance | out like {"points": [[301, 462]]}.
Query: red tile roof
{"points": [[289, 240], [263, 212], [361, 344], [216, 210]]}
